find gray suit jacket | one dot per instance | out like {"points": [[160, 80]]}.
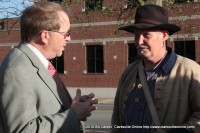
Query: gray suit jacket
{"points": [[29, 99]]}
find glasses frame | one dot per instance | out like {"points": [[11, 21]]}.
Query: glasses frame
{"points": [[65, 34]]}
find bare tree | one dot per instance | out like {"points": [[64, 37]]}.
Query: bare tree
{"points": [[13, 8]]}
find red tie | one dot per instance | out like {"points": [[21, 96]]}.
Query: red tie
{"points": [[59, 84]]}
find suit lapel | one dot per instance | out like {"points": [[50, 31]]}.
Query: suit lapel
{"points": [[43, 73]]}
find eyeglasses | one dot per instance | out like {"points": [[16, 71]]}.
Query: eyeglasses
{"points": [[65, 34]]}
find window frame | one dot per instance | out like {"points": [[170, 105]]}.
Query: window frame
{"points": [[2, 25], [183, 1], [56, 1], [95, 60], [58, 63], [132, 4], [184, 46], [93, 3], [131, 48]]}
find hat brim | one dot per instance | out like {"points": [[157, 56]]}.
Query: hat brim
{"points": [[171, 28]]}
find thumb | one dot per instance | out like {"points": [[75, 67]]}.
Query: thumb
{"points": [[78, 95]]}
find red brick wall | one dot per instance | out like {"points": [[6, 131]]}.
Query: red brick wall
{"points": [[75, 76], [4, 51], [115, 52]]}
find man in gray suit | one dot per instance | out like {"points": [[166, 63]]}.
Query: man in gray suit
{"points": [[31, 100]]}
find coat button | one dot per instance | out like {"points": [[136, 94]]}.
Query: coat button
{"points": [[133, 85], [137, 99], [139, 86]]}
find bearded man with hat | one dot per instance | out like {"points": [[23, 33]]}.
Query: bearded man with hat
{"points": [[160, 92]]}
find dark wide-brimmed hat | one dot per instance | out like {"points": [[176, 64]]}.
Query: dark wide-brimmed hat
{"points": [[151, 17]]}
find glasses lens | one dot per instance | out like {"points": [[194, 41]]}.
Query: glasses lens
{"points": [[67, 34]]}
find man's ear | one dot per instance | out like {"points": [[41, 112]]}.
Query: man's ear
{"points": [[165, 35], [44, 35]]}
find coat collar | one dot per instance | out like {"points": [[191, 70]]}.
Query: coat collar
{"points": [[170, 62]]}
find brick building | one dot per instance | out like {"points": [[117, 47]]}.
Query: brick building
{"points": [[98, 53]]}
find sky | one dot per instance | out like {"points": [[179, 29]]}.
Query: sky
{"points": [[13, 8]]}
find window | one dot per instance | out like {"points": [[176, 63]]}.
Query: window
{"points": [[183, 1], [2, 25], [58, 63], [94, 58], [93, 5], [132, 3], [56, 1], [132, 53], [185, 48]]}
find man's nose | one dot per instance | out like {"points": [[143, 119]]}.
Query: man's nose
{"points": [[68, 38], [139, 40]]}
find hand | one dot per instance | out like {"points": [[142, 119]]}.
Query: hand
{"points": [[83, 105], [84, 98]]}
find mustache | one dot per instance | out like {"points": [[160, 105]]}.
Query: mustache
{"points": [[141, 46]]}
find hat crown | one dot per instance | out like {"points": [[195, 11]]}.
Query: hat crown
{"points": [[151, 17], [152, 14]]}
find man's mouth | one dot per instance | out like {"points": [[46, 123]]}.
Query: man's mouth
{"points": [[142, 47]]}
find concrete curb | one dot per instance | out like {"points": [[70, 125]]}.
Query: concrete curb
{"points": [[101, 92], [106, 100]]}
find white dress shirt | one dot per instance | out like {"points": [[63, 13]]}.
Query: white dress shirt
{"points": [[39, 55]]}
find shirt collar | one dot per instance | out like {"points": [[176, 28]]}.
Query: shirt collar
{"points": [[167, 62], [38, 54]]}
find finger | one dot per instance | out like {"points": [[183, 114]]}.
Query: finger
{"points": [[91, 95], [83, 98], [93, 101], [78, 95], [89, 114], [92, 108]]}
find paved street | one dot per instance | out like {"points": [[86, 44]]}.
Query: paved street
{"points": [[100, 120]]}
